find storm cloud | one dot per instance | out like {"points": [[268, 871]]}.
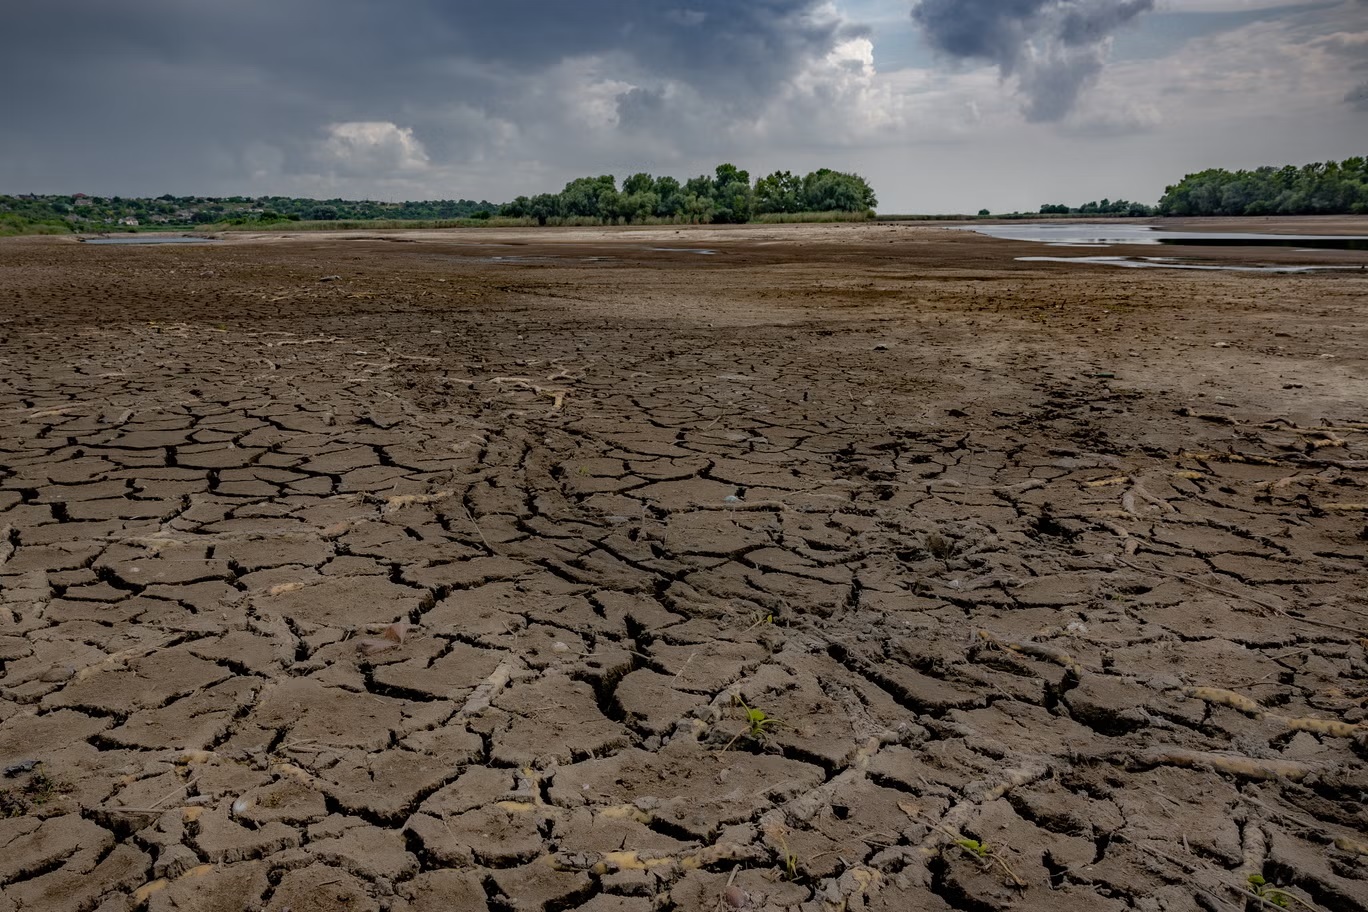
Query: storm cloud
{"points": [[746, 45], [1053, 48], [426, 99], [340, 88]]}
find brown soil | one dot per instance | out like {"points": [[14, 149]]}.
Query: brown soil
{"points": [[1062, 563]]}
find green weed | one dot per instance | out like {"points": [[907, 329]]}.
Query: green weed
{"points": [[791, 218], [758, 725], [1274, 895], [980, 849], [39, 790], [983, 853]]}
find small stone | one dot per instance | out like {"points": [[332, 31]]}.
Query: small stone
{"points": [[737, 898]]}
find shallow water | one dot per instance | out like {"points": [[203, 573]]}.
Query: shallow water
{"points": [[1103, 235], [543, 259], [143, 239], [1169, 263]]}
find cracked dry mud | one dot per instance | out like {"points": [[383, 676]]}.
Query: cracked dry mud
{"points": [[1062, 561]]}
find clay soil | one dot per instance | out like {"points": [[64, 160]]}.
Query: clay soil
{"points": [[841, 568]]}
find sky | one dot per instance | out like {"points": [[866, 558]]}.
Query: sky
{"points": [[943, 105]]}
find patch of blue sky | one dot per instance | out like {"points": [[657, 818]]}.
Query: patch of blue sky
{"points": [[898, 44], [1162, 33]]}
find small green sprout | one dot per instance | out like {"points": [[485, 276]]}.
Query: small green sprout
{"points": [[981, 849], [1259, 887], [984, 854], [758, 724], [790, 859], [1274, 895]]}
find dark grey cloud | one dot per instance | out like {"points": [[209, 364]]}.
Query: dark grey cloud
{"points": [[118, 96], [642, 108], [705, 41], [1358, 97], [1054, 48], [426, 98]]}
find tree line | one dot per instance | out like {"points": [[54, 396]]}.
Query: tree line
{"points": [[80, 211], [365, 210], [1103, 206], [1320, 188], [728, 196]]}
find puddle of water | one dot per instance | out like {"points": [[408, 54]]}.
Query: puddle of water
{"points": [[1169, 263], [542, 260], [144, 239], [1270, 240], [1100, 235], [545, 258]]}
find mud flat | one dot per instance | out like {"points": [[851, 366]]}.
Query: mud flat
{"points": [[843, 568]]}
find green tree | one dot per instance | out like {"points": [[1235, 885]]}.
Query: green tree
{"points": [[581, 196], [825, 190], [781, 191], [732, 195], [520, 207], [1315, 188], [543, 207], [609, 203], [639, 206], [670, 194], [698, 207], [638, 183]]}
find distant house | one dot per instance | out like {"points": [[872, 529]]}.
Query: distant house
{"points": [[80, 199], [129, 220]]}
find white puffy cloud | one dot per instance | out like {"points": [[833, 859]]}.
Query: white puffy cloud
{"points": [[371, 147]]}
